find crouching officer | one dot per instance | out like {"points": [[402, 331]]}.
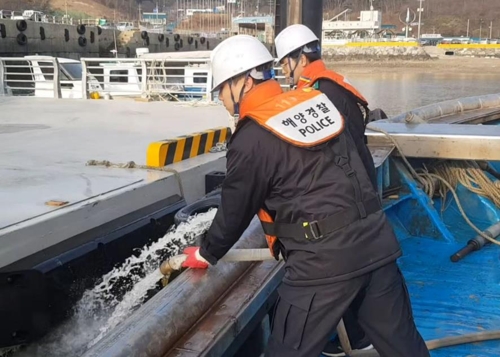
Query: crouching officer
{"points": [[291, 161]]}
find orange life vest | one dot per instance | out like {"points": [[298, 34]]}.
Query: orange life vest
{"points": [[304, 117], [317, 70]]}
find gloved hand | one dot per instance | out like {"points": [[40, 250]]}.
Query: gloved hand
{"points": [[194, 259]]}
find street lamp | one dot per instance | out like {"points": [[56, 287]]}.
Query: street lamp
{"points": [[420, 10]]}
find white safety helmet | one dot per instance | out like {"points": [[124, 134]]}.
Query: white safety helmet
{"points": [[292, 38], [237, 55]]}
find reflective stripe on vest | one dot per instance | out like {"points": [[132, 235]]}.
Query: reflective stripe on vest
{"points": [[303, 117]]}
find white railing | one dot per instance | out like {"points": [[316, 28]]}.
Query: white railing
{"points": [[18, 76], [171, 78]]}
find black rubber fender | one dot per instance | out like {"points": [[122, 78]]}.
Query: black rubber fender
{"points": [[82, 41], [21, 25], [42, 33], [128, 52], [177, 46], [177, 37], [200, 206], [22, 39], [208, 45], [195, 43], [81, 29], [161, 37], [202, 40], [144, 35], [167, 42], [3, 31], [92, 37], [181, 43], [190, 40], [66, 35], [99, 30], [146, 41]]}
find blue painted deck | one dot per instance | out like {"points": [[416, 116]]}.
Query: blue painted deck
{"points": [[448, 299]]}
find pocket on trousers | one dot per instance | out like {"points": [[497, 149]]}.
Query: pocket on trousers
{"points": [[291, 319]]}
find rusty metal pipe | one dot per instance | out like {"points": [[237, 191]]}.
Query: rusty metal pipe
{"points": [[162, 321]]}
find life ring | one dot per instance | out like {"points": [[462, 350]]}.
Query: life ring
{"points": [[99, 30], [202, 40], [190, 40], [21, 25], [177, 37], [200, 206], [82, 41], [167, 42], [81, 29], [144, 35], [42, 33], [161, 37], [22, 39], [66, 35]]}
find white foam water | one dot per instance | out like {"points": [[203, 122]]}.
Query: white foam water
{"points": [[117, 295]]}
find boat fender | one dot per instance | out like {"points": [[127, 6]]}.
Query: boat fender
{"points": [[208, 45], [181, 42], [92, 37], [3, 31], [202, 40], [177, 46], [22, 39], [81, 29], [66, 35], [146, 41], [167, 42], [82, 41], [195, 43], [21, 25], [190, 40], [200, 206], [42, 33], [177, 37], [128, 52], [99, 30], [161, 37], [144, 35]]}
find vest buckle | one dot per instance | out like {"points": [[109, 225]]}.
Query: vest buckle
{"points": [[312, 230]]}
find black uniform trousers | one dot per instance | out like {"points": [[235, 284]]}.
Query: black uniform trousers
{"points": [[306, 317]]}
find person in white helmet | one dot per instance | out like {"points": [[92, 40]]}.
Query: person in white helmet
{"points": [[291, 162], [299, 54]]}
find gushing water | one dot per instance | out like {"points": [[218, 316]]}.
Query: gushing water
{"points": [[117, 295]]}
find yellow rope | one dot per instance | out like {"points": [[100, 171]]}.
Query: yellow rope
{"points": [[447, 177], [133, 165]]}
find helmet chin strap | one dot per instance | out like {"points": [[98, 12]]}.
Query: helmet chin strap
{"points": [[236, 104], [292, 69]]}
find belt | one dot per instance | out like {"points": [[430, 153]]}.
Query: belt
{"points": [[318, 229]]}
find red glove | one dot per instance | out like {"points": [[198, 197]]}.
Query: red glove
{"points": [[194, 260]]}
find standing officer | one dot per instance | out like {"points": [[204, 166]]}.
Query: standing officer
{"points": [[292, 162]]}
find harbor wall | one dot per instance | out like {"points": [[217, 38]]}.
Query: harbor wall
{"points": [[471, 50], [70, 41], [376, 51]]}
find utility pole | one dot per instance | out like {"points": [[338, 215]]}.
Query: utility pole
{"points": [[480, 30], [295, 12], [468, 27], [420, 10], [491, 30]]}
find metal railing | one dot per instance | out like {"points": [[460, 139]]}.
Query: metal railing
{"points": [[171, 78], [20, 77]]}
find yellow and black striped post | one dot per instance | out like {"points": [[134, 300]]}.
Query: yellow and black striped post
{"points": [[166, 152]]}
